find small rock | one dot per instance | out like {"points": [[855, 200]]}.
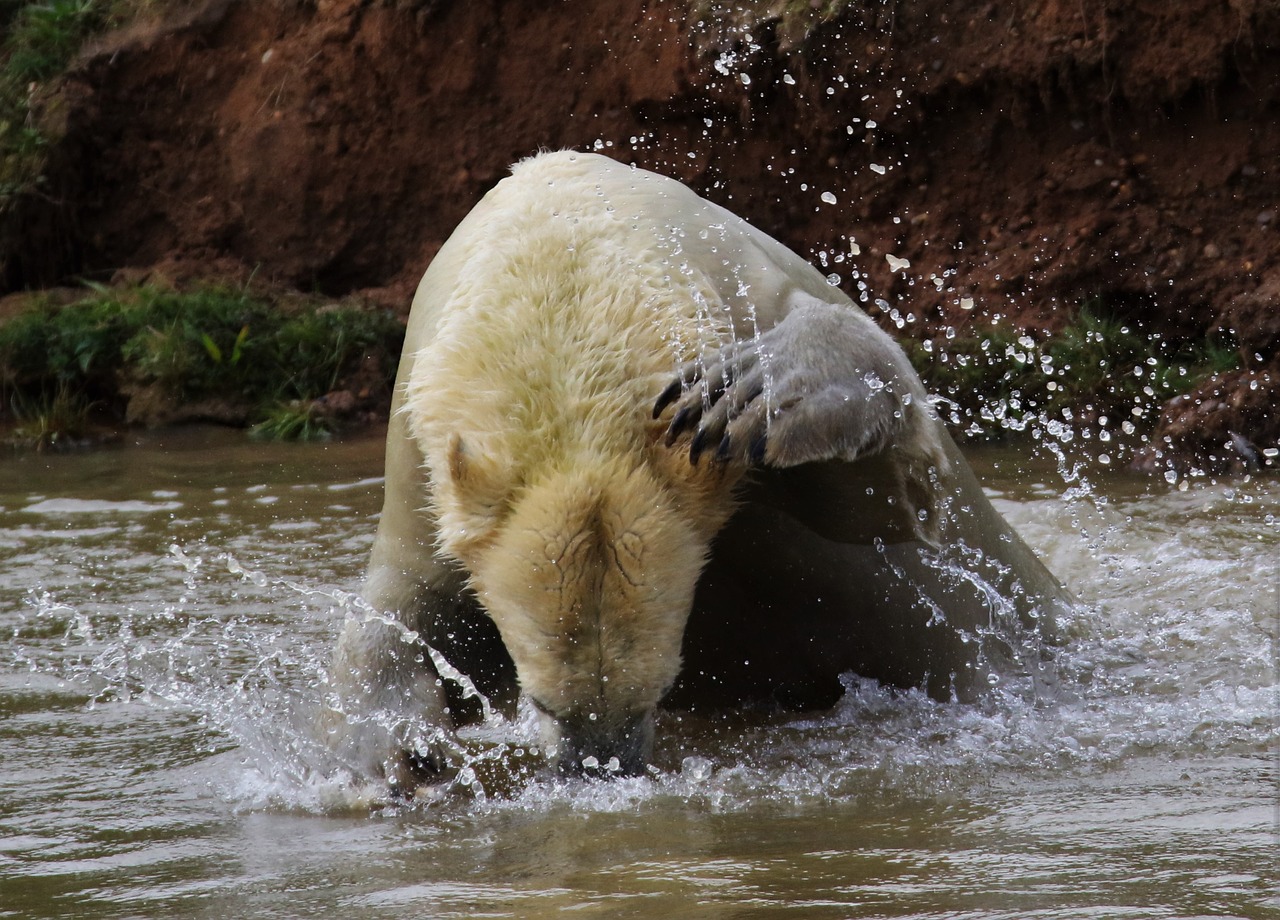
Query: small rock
{"points": [[337, 403]]}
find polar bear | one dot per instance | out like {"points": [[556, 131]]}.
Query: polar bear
{"points": [[641, 451]]}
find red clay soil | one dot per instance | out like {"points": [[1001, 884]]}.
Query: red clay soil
{"points": [[1031, 156]]}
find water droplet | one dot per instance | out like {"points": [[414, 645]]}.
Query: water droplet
{"points": [[829, 198], [696, 768]]}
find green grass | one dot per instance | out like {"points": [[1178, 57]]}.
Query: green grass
{"points": [[207, 343], [222, 343], [45, 36], [49, 420], [998, 380], [37, 43], [293, 421], [40, 39]]}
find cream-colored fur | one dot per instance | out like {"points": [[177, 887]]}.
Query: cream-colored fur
{"points": [[530, 486], [582, 534]]}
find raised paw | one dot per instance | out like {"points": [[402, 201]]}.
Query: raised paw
{"points": [[824, 383]]}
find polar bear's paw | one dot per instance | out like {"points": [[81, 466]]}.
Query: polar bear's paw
{"points": [[815, 387]]}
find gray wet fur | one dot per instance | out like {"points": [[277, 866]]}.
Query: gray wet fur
{"points": [[789, 395]]}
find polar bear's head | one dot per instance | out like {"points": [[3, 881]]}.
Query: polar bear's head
{"points": [[582, 533], [588, 569]]}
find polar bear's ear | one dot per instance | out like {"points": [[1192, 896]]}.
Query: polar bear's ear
{"points": [[457, 456], [471, 494], [475, 477]]}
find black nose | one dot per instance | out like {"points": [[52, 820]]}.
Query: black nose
{"points": [[604, 748]]}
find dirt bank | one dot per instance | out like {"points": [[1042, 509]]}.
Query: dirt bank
{"points": [[1024, 158]]}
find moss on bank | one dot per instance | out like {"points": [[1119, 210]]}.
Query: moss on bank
{"points": [[152, 355]]}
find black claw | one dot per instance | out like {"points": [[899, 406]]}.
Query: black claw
{"points": [[697, 445], [674, 389], [722, 452], [756, 453], [678, 425]]}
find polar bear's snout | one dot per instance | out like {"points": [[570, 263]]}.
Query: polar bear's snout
{"points": [[598, 747]]}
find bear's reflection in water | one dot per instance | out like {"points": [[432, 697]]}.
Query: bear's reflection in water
{"points": [[642, 453]]}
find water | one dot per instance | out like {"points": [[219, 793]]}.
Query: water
{"points": [[168, 611]]}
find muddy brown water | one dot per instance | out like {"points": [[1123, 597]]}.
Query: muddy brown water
{"points": [[167, 612]]}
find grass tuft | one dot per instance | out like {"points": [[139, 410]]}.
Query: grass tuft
{"points": [[296, 420], [53, 420]]}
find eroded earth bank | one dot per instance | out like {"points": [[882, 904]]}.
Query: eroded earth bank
{"points": [[1020, 162]]}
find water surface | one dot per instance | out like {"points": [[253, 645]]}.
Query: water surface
{"points": [[168, 609]]}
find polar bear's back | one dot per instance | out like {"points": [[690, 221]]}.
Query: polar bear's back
{"points": [[750, 271], [688, 240], [556, 326]]}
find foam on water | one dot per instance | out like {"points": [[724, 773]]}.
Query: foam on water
{"points": [[63, 506]]}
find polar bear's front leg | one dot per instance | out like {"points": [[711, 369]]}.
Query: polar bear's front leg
{"points": [[824, 383], [389, 715]]}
